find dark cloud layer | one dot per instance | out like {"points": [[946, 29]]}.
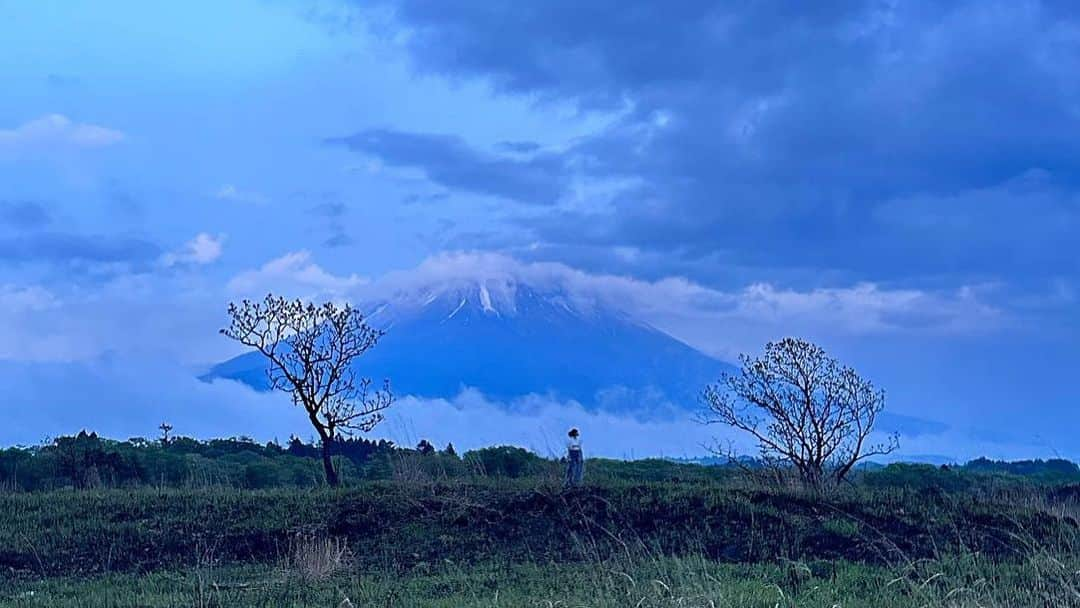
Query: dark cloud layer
{"points": [[450, 162], [332, 214], [24, 214], [519, 147], [64, 248], [878, 139]]}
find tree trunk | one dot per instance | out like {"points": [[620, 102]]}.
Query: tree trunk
{"points": [[328, 464]]}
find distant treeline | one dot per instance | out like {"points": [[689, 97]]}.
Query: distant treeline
{"points": [[89, 461]]}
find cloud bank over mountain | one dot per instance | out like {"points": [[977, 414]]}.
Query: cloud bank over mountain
{"points": [[678, 305]]}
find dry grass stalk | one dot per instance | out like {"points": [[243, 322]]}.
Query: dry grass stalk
{"points": [[316, 558]]}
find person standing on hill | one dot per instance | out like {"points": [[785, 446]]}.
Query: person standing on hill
{"points": [[575, 460]]}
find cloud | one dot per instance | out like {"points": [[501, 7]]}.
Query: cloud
{"points": [[909, 426], [33, 327], [472, 420], [720, 322], [203, 249], [70, 248], [293, 275], [24, 214], [229, 192], [1034, 216], [867, 308], [126, 396], [68, 321], [15, 299], [449, 161], [64, 81], [333, 214], [519, 147], [338, 239], [743, 145], [684, 307], [330, 209], [56, 131], [418, 199]]}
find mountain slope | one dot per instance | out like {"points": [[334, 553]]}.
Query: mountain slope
{"points": [[508, 340]]}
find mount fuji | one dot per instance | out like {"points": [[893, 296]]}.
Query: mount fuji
{"points": [[509, 338]]}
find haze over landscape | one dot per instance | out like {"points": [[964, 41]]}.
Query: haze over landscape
{"points": [[560, 219]]}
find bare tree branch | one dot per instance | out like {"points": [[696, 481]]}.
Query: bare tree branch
{"points": [[802, 407], [311, 350]]}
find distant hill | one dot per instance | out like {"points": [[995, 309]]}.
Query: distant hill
{"points": [[509, 339]]}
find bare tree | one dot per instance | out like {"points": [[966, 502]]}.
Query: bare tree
{"points": [[311, 350], [166, 428], [802, 407]]}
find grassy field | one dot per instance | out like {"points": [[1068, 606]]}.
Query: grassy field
{"points": [[645, 583], [691, 540], [387, 524]]}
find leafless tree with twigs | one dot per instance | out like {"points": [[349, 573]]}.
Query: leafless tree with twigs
{"points": [[802, 407], [311, 350]]}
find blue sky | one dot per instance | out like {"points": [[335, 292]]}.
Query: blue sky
{"points": [[896, 180]]}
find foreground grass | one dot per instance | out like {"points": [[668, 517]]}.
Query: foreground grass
{"points": [[644, 583], [61, 533], [654, 544]]}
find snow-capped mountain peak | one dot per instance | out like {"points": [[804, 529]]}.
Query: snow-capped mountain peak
{"points": [[499, 299]]}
